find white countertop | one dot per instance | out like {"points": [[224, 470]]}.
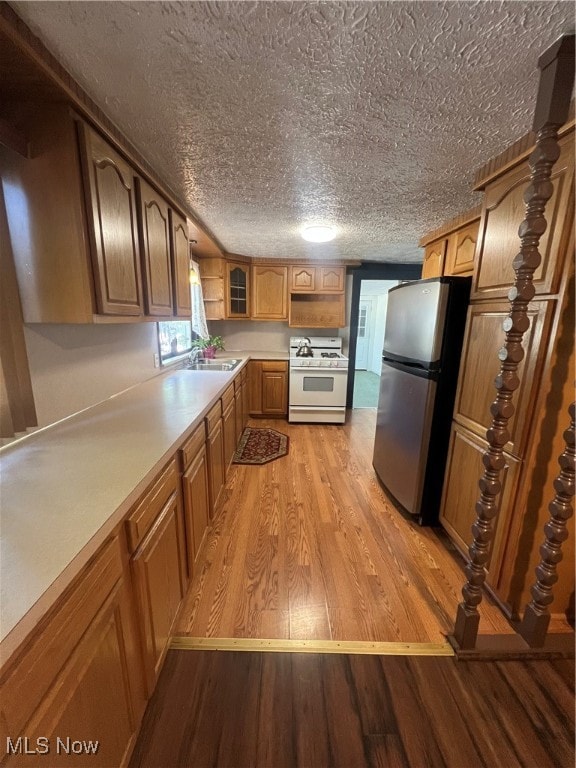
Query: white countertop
{"points": [[65, 487]]}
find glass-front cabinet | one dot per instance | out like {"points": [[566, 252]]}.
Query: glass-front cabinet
{"points": [[237, 290]]}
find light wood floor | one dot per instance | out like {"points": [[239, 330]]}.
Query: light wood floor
{"points": [[308, 547]]}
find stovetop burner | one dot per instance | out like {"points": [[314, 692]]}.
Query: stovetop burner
{"points": [[329, 354]]}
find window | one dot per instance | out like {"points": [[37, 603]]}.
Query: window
{"points": [[174, 339]]}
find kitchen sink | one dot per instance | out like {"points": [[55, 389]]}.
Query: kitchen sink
{"points": [[214, 365]]}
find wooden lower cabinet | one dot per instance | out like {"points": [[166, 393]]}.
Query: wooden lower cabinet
{"points": [[215, 449], [160, 577], [228, 426], [79, 677], [268, 387], [196, 506], [461, 492]]}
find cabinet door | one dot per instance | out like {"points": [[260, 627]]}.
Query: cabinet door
{"points": [[111, 206], [229, 430], [330, 279], [239, 411], [480, 365], [269, 292], [216, 473], [160, 575], [237, 290], [503, 212], [245, 398], [460, 250], [80, 673], [303, 279], [274, 389], [434, 255], [464, 470], [196, 505], [180, 265], [155, 247]]}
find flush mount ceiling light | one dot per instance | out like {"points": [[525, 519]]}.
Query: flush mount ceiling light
{"points": [[318, 233]]}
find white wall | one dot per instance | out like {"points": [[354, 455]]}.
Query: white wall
{"points": [[378, 289], [75, 366]]}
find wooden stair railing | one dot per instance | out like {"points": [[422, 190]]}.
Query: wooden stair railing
{"points": [[552, 108], [536, 617]]}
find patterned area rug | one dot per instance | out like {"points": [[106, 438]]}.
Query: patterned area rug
{"points": [[258, 446]]}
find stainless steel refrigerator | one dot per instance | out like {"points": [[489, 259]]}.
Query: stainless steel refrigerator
{"points": [[423, 336]]}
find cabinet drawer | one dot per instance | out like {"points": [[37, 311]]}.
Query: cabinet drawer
{"points": [[228, 397], [148, 508], [213, 416], [280, 366], [191, 447]]}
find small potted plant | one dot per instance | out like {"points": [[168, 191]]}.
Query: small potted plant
{"points": [[208, 346]]}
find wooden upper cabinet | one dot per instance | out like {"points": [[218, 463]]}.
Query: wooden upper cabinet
{"points": [[112, 224], [179, 245], [460, 250], [504, 210], [313, 279], [434, 255], [269, 292], [155, 245], [330, 279], [303, 279], [237, 290]]}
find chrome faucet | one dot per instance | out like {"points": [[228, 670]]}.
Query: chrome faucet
{"points": [[194, 356]]}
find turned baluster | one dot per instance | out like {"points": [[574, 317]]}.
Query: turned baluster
{"points": [[557, 77], [536, 618]]}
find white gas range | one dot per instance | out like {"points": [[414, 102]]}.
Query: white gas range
{"points": [[317, 390]]}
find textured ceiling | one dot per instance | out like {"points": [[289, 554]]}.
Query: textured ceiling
{"points": [[265, 116]]}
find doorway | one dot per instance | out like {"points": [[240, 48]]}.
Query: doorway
{"points": [[370, 286]]}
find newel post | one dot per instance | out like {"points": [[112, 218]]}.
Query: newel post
{"points": [[556, 80]]}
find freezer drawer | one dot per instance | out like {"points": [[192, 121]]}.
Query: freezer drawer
{"points": [[403, 427]]}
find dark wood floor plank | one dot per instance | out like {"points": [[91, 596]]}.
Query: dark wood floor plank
{"points": [[311, 736], [419, 739], [342, 716], [550, 709], [373, 697], [508, 712], [278, 710], [275, 744]]}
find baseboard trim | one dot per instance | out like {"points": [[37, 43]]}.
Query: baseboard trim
{"points": [[182, 643]]}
